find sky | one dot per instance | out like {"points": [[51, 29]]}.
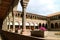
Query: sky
{"points": [[42, 7]]}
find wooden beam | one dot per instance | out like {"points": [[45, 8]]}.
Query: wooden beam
{"points": [[6, 0], [4, 7]]}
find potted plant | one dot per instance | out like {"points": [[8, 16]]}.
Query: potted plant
{"points": [[38, 33]]}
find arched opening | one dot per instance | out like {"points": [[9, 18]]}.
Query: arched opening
{"points": [[46, 25], [56, 25], [52, 25], [32, 26], [39, 25], [59, 25], [20, 25], [27, 25], [10, 25], [43, 25], [16, 27], [36, 26]]}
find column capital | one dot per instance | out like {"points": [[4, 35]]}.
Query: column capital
{"points": [[24, 3]]}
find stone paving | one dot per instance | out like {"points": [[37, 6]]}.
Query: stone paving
{"points": [[51, 35]]}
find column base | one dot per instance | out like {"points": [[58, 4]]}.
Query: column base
{"points": [[13, 30], [26, 32]]}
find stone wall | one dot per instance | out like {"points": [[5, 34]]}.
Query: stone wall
{"points": [[12, 36]]}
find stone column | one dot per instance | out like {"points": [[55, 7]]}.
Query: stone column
{"points": [[9, 22], [49, 25], [24, 5], [13, 13], [13, 22], [29, 26], [24, 19], [54, 25], [34, 26]]}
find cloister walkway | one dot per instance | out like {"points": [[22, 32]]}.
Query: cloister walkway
{"points": [[5, 8]]}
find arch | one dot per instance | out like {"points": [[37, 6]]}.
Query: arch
{"points": [[56, 25], [32, 25], [59, 25], [43, 25], [40, 25], [21, 15], [16, 23], [52, 25], [27, 24], [20, 23], [46, 25], [36, 25], [31, 17], [18, 14], [10, 23]]}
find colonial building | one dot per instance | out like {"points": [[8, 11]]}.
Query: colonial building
{"points": [[54, 21], [33, 21]]}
